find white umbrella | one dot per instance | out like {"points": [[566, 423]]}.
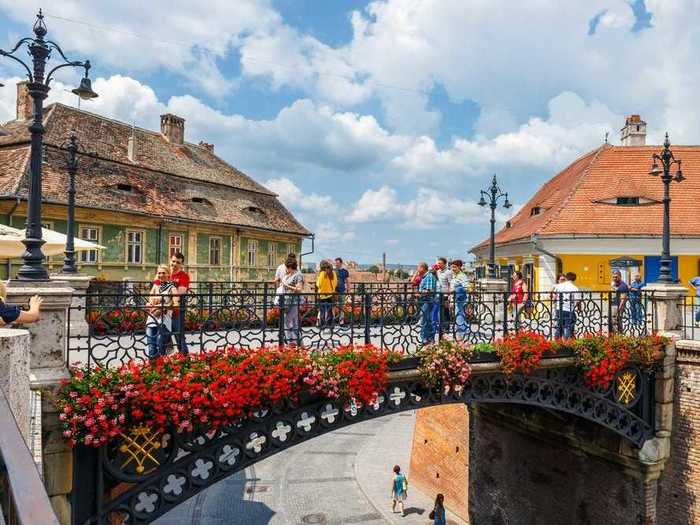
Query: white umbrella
{"points": [[11, 246]]}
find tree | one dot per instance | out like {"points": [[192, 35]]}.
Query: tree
{"points": [[401, 274], [374, 269]]}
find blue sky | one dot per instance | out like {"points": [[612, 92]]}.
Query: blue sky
{"points": [[378, 122]]}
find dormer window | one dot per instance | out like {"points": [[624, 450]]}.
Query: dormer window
{"points": [[255, 210], [200, 200], [508, 224], [627, 201], [128, 188], [535, 210]]}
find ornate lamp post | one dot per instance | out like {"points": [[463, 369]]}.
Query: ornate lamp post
{"points": [[493, 194], [39, 85], [72, 166], [667, 161]]}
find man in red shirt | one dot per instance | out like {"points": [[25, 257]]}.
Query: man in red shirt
{"points": [[182, 284]]}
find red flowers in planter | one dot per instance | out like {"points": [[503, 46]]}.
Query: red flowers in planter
{"points": [[212, 389], [521, 352]]}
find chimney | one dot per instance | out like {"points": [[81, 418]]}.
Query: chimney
{"points": [[172, 128], [131, 146], [25, 105], [635, 131], [207, 146]]}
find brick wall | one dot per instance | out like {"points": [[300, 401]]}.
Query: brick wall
{"points": [[679, 485], [440, 454]]}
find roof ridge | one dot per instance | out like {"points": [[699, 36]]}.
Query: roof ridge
{"points": [[556, 213]]}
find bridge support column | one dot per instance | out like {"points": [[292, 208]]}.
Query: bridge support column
{"points": [[47, 364]]}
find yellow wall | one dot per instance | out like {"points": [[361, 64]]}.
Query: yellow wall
{"points": [[593, 271]]}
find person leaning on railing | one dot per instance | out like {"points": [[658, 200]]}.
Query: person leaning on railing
{"points": [[181, 279], [291, 285], [326, 283], [426, 296], [162, 300], [14, 314]]}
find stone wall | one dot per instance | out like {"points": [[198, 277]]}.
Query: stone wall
{"points": [[531, 466], [14, 374], [440, 454], [679, 485]]}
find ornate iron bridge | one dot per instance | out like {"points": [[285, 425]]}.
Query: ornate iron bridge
{"points": [[145, 473], [115, 331]]}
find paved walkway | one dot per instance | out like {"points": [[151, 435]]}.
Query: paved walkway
{"points": [[340, 478]]}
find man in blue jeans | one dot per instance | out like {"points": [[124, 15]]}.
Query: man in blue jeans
{"points": [[426, 291], [567, 302], [181, 280], [695, 283]]}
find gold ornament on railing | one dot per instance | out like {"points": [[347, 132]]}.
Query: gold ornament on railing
{"points": [[139, 446], [626, 387]]}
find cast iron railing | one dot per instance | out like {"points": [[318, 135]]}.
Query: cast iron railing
{"points": [[22, 494], [690, 317], [109, 332]]}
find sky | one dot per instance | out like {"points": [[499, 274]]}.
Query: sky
{"points": [[379, 122]]}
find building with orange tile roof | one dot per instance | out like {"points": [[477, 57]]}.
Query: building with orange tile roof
{"points": [[604, 211]]}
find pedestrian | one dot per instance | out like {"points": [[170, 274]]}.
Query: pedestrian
{"points": [[695, 283], [618, 301], [444, 277], [181, 279], [292, 284], [519, 296], [326, 283], [342, 276], [567, 301], [459, 284], [399, 490], [426, 299], [635, 299], [13, 314], [159, 308], [281, 271], [438, 512]]}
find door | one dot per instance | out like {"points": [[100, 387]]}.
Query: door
{"points": [[652, 266]]}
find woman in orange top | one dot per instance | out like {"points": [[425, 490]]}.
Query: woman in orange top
{"points": [[325, 287]]}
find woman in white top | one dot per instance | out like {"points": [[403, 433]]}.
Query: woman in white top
{"points": [[292, 284], [160, 314]]}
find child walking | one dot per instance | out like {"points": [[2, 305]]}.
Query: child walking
{"points": [[399, 488]]}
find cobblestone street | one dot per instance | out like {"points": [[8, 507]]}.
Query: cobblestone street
{"points": [[339, 478]]}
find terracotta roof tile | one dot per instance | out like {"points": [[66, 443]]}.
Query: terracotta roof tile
{"points": [[165, 176], [570, 201]]}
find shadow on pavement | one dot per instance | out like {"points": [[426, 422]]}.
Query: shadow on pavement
{"points": [[414, 510]]}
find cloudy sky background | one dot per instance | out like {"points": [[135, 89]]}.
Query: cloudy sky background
{"points": [[378, 122]]}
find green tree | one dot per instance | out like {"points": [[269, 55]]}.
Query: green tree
{"points": [[374, 269]]}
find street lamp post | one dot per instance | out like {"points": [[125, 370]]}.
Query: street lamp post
{"points": [[493, 194], [667, 161], [72, 165], [38, 86]]}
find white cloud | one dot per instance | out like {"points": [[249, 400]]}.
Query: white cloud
{"points": [[292, 197]]}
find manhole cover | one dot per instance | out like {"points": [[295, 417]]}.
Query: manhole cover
{"points": [[314, 518]]}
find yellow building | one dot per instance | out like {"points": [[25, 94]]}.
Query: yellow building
{"points": [[144, 195], [604, 211]]}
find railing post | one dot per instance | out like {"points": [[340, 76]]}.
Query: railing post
{"points": [[280, 333], [367, 306], [440, 299], [505, 313]]}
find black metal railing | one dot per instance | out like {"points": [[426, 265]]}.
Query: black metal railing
{"points": [[690, 317], [117, 332], [22, 494]]}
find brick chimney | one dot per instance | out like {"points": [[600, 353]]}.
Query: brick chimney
{"points": [[635, 131], [207, 146], [172, 128], [25, 105]]}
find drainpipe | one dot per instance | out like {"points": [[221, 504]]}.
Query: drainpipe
{"points": [[534, 238], [313, 239]]}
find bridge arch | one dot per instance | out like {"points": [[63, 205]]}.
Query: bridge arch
{"points": [[149, 473]]}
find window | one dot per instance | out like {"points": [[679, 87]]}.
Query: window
{"points": [[125, 187], [134, 247], [200, 200], [536, 210], [174, 244], [272, 255], [255, 210], [291, 248], [508, 224], [627, 201], [47, 225], [214, 251], [92, 234], [252, 252]]}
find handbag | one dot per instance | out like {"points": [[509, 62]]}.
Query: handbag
{"points": [[432, 514]]}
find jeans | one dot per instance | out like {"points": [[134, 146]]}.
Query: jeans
{"points": [[325, 307], [460, 320], [291, 322], [157, 336], [565, 324], [427, 326], [637, 311], [179, 331]]}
